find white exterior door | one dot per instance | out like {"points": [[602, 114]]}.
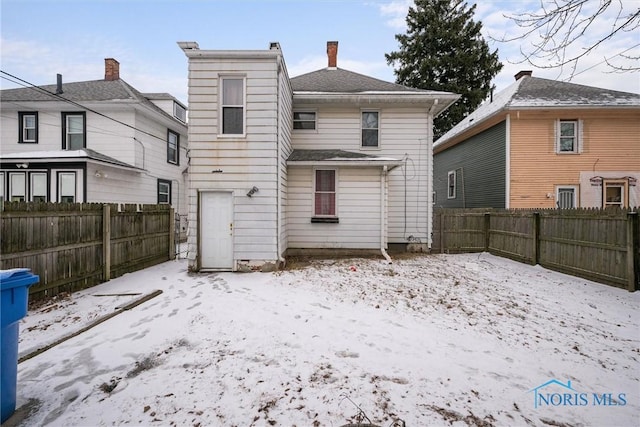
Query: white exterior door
{"points": [[216, 231]]}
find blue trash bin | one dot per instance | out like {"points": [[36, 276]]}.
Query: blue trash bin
{"points": [[14, 284]]}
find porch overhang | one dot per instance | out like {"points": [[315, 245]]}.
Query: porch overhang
{"points": [[65, 156], [338, 158]]}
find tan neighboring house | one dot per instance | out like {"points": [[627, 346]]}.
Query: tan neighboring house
{"points": [[543, 144]]}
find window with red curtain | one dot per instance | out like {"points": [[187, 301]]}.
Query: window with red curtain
{"points": [[325, 193]]}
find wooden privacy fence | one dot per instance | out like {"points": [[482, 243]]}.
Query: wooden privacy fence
{"points": [[73, 246], [600, 245]]}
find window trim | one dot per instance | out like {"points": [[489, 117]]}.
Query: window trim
{"points": [[577, 146], [319, 217], [46, 185], [169, 194], [222, 106], [65, 115], [362, 129], [10, 186], [179, 112], [452, 189], [177, 148], [59, 176], [576, 192], [314, 121], [624, 192], [21, 127]]}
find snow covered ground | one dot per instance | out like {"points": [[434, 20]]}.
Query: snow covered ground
{"points": [[457, 340]]}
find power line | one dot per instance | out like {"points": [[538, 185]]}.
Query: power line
{"points": [[29, 85]]}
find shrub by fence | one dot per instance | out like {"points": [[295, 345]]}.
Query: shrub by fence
{"points": [[73, 246], [600, 245]]}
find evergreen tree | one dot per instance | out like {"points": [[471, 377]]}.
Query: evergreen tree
{"points": [[444, 50]]}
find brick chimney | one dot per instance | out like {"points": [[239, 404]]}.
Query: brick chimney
{"points": [[332, 54], [523, 73], [111, 69]]}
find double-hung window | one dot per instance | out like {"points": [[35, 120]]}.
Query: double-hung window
{"points": [[38, 187], [304, 120], [232, 105], [325, 193], [164, 191], [370, 129], [173, 147], [66, 187], [568, 136], [17, 187], [28, 127], [74, 131], [451, 185]]}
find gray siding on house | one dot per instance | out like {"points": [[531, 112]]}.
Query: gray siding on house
{"points": [[480, 165]]}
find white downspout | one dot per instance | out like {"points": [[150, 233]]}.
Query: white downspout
{"points": [[383, 211], [281, 260], [430, 175]]}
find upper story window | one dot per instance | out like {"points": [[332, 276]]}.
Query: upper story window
{"points": [[28, 132], [179, 112], [451, 185], [173, 147], [304, 120], [164, 191], [74, 131], [325, 193], [568, 136], [370, 129], [232, 105]]}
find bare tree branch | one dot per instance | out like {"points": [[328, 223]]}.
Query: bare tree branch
{"points": [[555, 31]]}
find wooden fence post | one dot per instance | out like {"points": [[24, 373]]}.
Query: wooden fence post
{"points": [[487, 231], [106, 242], [536, 238], [441, 232], [632, 268], [172, 234]]}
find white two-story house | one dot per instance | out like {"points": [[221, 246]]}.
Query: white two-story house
{"points": [[329, 160], [93, 141]]}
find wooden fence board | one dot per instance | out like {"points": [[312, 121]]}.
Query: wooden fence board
{"points": [[64, 243], [600, 245]]}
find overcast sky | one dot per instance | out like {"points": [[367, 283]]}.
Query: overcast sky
{"points": [[46, 37]]}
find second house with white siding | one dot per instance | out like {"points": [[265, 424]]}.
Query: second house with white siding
{"points": [[329, 160]]}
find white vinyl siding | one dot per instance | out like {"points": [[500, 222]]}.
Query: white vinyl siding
{"points": [[240, 162], [358, 192], [404, 131]]}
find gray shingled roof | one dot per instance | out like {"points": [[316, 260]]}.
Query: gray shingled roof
{"points": [[320, 155], [534, 92], [87, 91], [343, 81]]}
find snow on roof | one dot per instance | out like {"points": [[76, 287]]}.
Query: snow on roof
{"points": [[534, 92]]}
